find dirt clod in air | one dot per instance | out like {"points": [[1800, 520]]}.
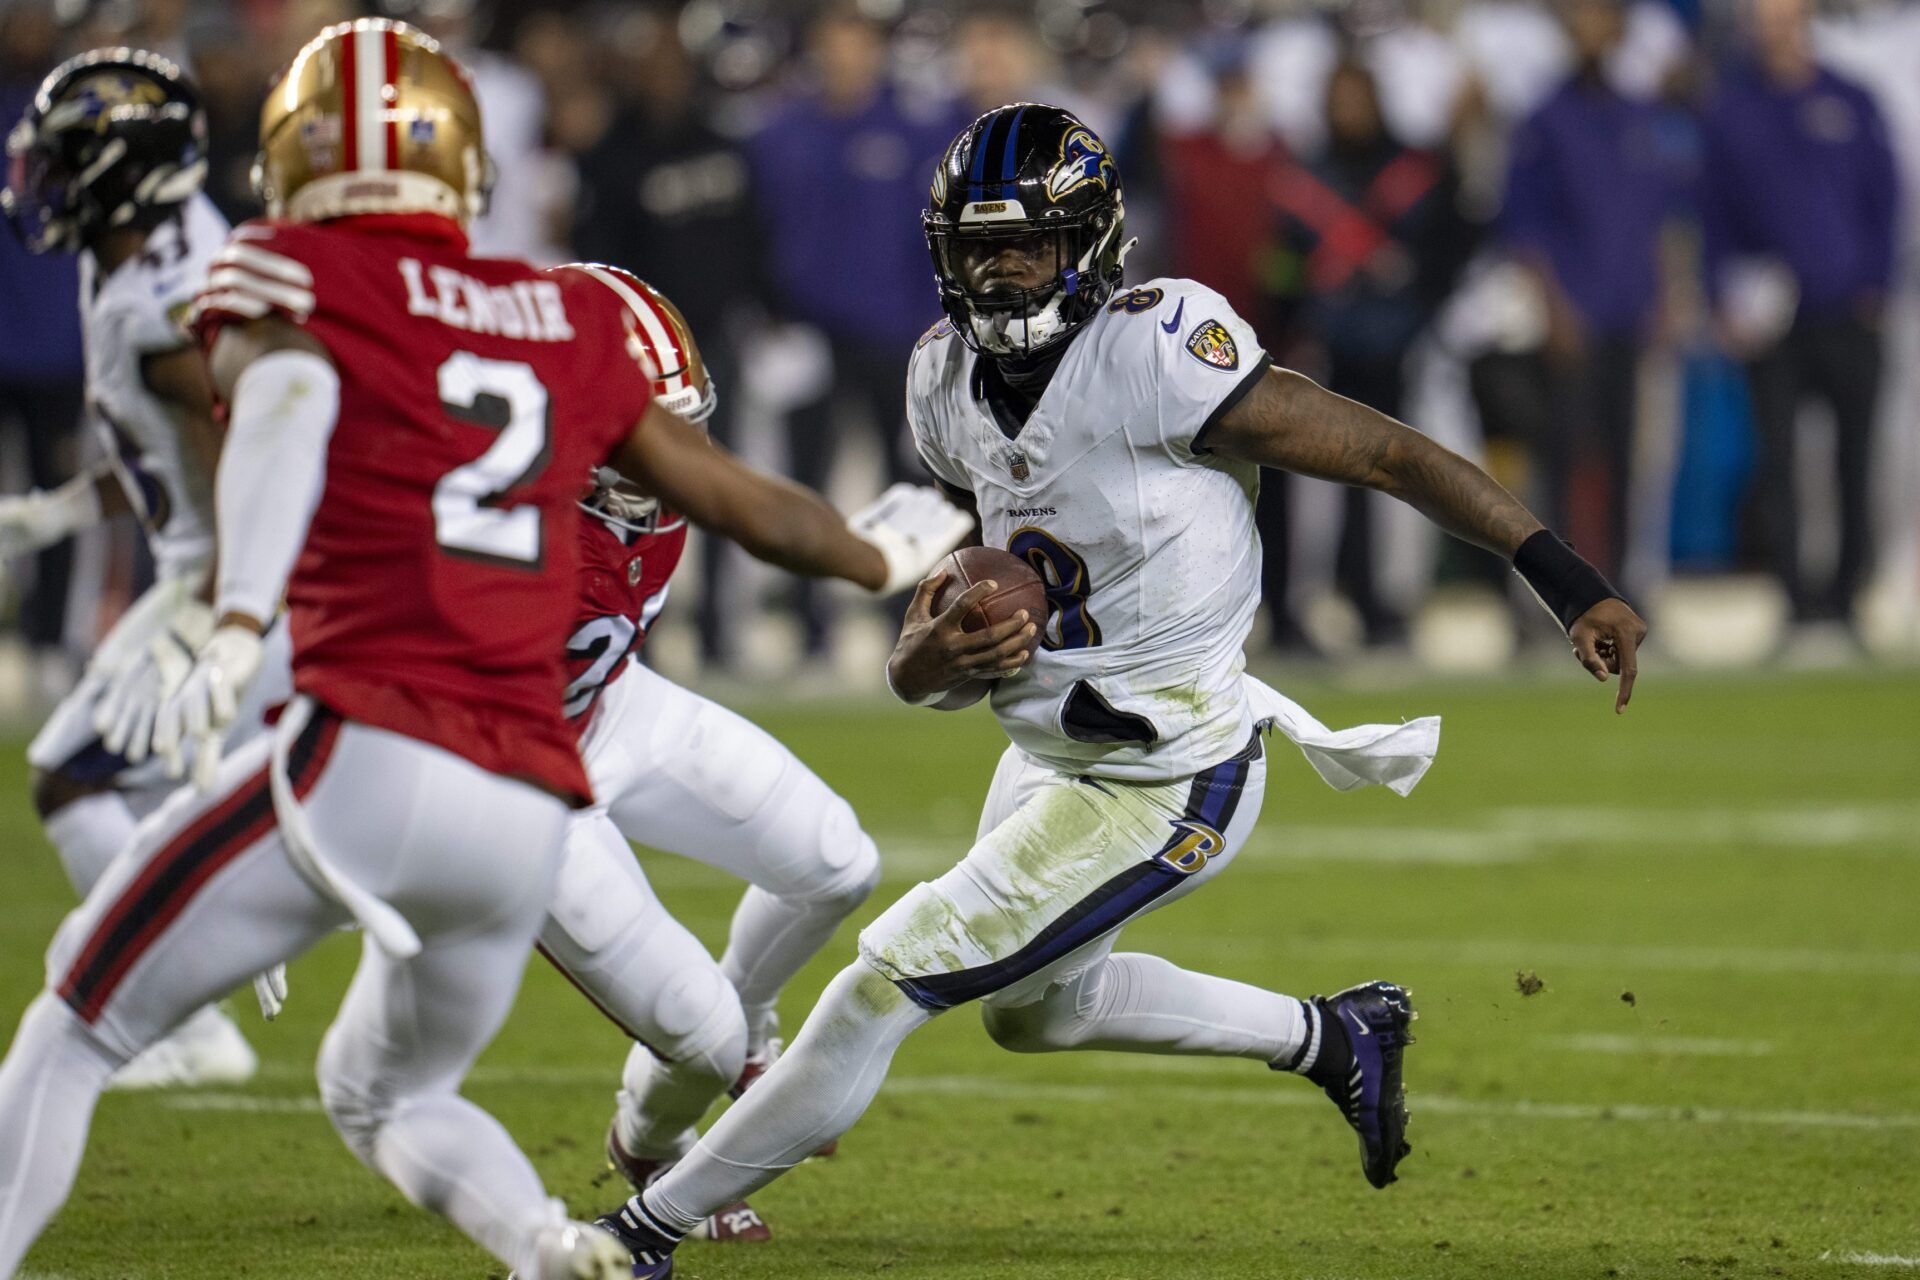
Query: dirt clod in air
{"points": [[1628, 999], [1528, 982]]}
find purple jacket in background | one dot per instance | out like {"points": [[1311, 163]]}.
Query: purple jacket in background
{"points": [[1806, 176], [1594, 176], [840, 203], [39, 293]]}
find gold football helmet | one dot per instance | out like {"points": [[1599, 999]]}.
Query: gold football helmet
{"points": [[661, 342], [371, 117]]}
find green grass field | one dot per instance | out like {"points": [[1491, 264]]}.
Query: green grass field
{"points": [[1720, 891]]}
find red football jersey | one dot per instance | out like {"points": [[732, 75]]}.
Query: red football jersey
{"points": [[623, 587], [434, 594]]}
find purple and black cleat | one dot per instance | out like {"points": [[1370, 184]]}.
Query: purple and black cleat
{"points": [[1375, 1017], [651, 1246]]}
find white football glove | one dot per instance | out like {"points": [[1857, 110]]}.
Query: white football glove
{"points": [[125, 716], [270, 989], [42, 517], [198, 714], [911, 526]]}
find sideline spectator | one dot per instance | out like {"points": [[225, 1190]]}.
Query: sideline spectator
{"points": [[667, 196], [1595, 177], [840, 175], [1373, 240], [1219, 208], [40, 358], [1801, 207]]}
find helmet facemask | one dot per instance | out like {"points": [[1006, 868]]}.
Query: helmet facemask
{"points": [[113, 139]]}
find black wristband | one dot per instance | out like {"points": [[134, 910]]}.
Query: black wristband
{"points": [[1566, 584]]}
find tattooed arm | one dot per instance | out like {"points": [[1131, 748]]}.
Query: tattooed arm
{"points": [[1290, 423]]}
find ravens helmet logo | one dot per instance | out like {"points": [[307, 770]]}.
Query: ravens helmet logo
{"points": [[1083, 159]]}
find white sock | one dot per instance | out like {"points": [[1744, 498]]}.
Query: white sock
{"points": [[89, 833], [820, 1086], [49, 1084], [772, 939], [1144, 1004]]}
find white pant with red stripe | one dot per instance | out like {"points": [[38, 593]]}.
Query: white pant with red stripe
{"points": [[674, 771], [207, 896]]}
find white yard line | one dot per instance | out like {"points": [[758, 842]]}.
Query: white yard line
{"points": [[1855, 1259], [1094, 1092], [1672, 1046], [1508, 835], [1517, 952]]}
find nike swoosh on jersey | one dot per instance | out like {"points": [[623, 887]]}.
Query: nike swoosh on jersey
{"points": [[1173, 325]]}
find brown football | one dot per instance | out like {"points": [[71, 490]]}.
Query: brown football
{"points": [[1019, 587]]}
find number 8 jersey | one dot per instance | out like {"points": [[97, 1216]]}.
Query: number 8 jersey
{"points": [[1145, 541], [436, 588]]}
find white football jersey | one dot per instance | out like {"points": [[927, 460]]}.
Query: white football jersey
{"points": [[135, 311], [1148, 549]]}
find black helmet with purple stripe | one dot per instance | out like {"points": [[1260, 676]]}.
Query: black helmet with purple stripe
{"points": [[1036, 176]]}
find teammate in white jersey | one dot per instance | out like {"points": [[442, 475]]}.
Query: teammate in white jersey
{"points": [[109, 161], [1113, 439]]}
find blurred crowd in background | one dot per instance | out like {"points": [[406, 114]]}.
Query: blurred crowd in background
{"points": [[1651, 261]]}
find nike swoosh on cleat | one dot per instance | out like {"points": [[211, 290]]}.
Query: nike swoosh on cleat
{"points": [[1173, 325], [1358, 1024]]}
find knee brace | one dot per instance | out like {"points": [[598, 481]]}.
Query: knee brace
{"points": [[847, 856], [1028, 1028], [696, 1025]]}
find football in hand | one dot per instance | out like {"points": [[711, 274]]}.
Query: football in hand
{"points": [[1017, 587]]}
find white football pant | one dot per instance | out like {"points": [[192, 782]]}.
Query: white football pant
{"points": [[677, 772], [207, 896]]}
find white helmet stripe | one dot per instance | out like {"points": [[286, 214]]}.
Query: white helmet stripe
{"points": [[665, 351], [371, 76]]}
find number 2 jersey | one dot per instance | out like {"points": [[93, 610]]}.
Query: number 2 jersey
{"points": [[1145, 541], [624, 574], [437, 585]]}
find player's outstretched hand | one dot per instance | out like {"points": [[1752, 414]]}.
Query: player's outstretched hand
{"points": [[936, 652], [1606, 639], [198, 715], [128, 710], [911, 526]]}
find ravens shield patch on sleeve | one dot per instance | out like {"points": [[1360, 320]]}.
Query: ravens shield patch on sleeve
{"points": [[1212, 345]]}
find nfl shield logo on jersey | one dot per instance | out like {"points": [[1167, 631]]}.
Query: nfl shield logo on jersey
{"points": [[1017, 464], [1211, 344], [633, 571]]}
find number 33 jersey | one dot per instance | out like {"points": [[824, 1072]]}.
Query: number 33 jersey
{"points": [[1145, 541], [437, 585]]}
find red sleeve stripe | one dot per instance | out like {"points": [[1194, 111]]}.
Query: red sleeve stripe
{"points": [[264, 262], [289, 298], [245, 305]]}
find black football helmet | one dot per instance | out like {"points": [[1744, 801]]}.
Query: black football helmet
{"points": [[1021, 172], [113, 138]]}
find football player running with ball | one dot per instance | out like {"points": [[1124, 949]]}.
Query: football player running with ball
{"points": [[1111, 438], [108, 161], [407, 431]]}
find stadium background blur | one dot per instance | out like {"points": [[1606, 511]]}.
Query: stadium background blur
{"points": [[1565, 238]]}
